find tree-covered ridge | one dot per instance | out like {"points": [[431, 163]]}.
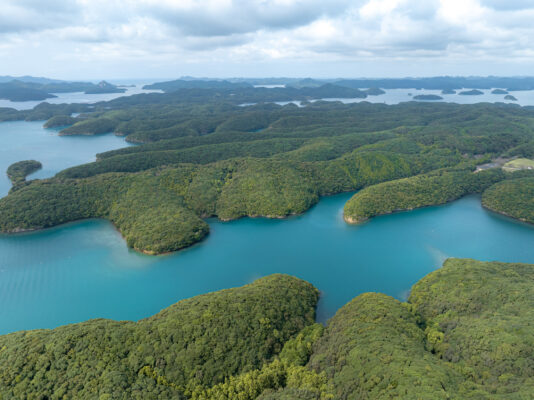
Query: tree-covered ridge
{"points": [[169, 86], [179, 353], [17, 172], [443, 82], [160, 210], [437, 187], [514, 198], [157, 193], [373, 348], [464, 333], [153, 121], [17, 90], [477, 318]]}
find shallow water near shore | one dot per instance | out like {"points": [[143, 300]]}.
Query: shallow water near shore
{"points": [[21, 140], [83, 270]]}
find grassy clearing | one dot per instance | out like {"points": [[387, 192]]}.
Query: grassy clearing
{"points": [[518, 164]]}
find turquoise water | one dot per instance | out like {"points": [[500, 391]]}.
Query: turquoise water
{"points": [[84, 270], [22, 140]]}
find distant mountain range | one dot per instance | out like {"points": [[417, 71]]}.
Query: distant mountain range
{"points": [[34, 89], [447, 83], [27, 88], [27, 78]]}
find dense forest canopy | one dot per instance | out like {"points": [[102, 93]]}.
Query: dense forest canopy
{"points": [[215, 158], [463, 333], [18, 171]]}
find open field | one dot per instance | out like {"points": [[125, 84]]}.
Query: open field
{"points": [[518, 164]]}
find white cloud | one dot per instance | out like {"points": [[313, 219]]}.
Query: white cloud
{"points": [[100, 35]]}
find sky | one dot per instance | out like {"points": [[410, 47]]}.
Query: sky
{"points": [[136, 39]]}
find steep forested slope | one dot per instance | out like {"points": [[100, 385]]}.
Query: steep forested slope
{"points": [[218, 159], [186, 348], [465, 332]]}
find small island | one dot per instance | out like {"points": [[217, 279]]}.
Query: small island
{"points": [[18, 171], [428, 97], [474, 92], [104, 87], [448, 91], [374, 91], [510, 97], [499, 91]]}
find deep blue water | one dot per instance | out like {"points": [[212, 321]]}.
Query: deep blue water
{"points": [[84, 270]]}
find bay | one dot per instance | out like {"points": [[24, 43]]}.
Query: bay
{"points": [[23, 140], [84, 270]]}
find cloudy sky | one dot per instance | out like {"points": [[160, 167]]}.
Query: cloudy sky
{"points": [[91, 39]]}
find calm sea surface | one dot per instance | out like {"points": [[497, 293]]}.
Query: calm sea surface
{"points": [[22, 140], [84, 270]]}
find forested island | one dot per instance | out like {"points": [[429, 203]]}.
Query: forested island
{"points": [[31, 90], [473, 92], [439, 83], [18, 171], [427, 97], [20, 91], [103, 87], [464, 331], [205, 155], [260, 341]]}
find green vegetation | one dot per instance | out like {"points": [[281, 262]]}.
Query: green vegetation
{"points": [[21, 91], [474, 92], [476, 317], [499, 91], [17, 90], [373, 348], [217, 159], [465, 332], [42, 111], [60, 121], [510, 97], [192, 349], [442, 83], [171, 86], [427, 97], [518, 165], [448, 91], [434, 188], [514, 198], [159, 210], [18, 171], [374, 91], [104, 87]]}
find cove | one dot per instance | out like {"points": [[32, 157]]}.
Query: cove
{"points": [[84, 270], [23, 140]]}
